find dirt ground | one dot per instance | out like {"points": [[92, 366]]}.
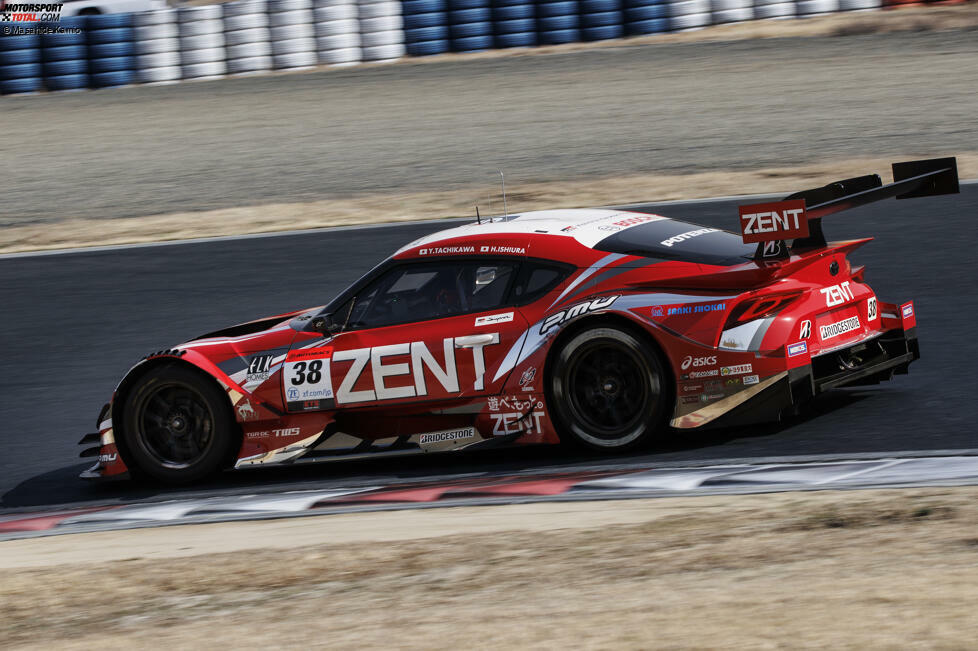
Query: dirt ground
{"points": [[842, 570], [436, 205]]}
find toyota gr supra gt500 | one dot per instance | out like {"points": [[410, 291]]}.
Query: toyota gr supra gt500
{"points": [[606, 329]]}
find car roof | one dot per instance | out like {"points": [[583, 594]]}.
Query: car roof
{"points": [[586, 226]]}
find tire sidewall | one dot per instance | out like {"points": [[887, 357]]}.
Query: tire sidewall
{"points": [[141, 462], [573, 432]]}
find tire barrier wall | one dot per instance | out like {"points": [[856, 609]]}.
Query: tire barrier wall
{"points": [[253, 36]]}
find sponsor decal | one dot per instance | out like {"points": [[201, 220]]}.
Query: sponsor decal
{"points": [[739, 369], [771, 249], [258, 368], [563, 316], [107, 458], [907, 310], [837, 294], [447, 435], [713, 386], [732, 381], [446, 250], [514, 250], [284, 432], [799, 348], [805, 331], [692, 388], [689, 400], [751, 379], [308, 353], [688, 235], [839, 327], [528, 376], [493, 318], [696, 362], [694, 375], [420, 357], [706, 397], [246, 411], [657, 312], [698, 308], [780, 220], [871, 308]]}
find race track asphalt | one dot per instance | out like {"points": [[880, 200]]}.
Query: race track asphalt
{"points": [[73, 324]]}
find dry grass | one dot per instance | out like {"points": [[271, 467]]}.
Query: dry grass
{"points": [[433, 205], [869, 569]]}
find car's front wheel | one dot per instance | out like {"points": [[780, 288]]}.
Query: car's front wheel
{"points": [[177, 426], [608, 390]]}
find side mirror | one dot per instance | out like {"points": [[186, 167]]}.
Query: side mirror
{"points": [[326, 325]]}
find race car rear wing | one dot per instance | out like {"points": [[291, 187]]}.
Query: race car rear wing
{"points": [[799, 216]]}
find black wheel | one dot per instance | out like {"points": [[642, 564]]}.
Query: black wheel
{"points": [[608, 390], [177, 426]]}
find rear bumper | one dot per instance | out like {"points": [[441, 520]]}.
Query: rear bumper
{"points": [[865, 363]]}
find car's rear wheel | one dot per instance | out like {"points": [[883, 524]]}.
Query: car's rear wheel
{"points": [[608, 390], [177, 426]]}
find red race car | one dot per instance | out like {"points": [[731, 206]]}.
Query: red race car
{"points": [[601, 328]]}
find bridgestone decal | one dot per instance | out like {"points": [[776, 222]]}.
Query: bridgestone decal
{"points": [[840, 327]]}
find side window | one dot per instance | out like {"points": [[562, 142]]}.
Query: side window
{"points": [[536, 279], [430, 290]]}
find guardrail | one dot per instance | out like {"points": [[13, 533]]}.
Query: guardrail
{"points": [[253, 36]]}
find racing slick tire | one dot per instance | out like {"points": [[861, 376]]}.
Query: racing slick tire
{"points": [[608, 390], [177, 426]]}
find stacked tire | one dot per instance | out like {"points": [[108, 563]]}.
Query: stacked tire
{"points": [[65, 57], [732, 11], [157, 47], [426, 27], [337, 32], [111, 50], [860, 5], [778, 9], [558, 22], [808, 8], [293, 38], [470, 25], [201, 42], [20, 64], [381, 30], [514, 23], [601, 20], [247, 41], [646, 17], [689, 14]]}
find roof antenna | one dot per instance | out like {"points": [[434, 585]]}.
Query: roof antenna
{"points": [[503, 181], [478, 218]]}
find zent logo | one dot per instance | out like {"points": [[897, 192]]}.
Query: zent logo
{"points": [[837, 294], [806, 329], [697, 362], [781, 220]]}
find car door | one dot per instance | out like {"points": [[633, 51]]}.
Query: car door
{"points": [[422, 331]]}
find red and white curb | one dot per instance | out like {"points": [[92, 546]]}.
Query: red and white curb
{"points": [[505, 489]]}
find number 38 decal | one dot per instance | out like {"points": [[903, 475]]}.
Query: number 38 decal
{"points": [[307, 375], [300, 373]]}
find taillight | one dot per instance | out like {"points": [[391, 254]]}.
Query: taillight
{"points": [[760, 307]]}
